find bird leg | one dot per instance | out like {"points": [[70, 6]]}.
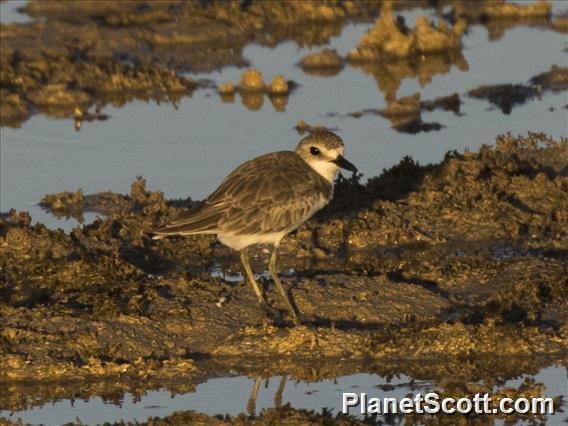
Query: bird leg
{"points": [[251, 405], [250, 275], [279, 392], [274, 273]]}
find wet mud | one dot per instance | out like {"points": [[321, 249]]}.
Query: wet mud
{"points": [[462, 258]]}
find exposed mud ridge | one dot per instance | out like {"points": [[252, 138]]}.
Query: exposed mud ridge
{"points": [[326, 63], [465, 257]]}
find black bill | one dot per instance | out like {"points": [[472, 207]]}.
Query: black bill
{"points": [[344, 164]]}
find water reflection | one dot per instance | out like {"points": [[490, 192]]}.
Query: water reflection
{"points": [[280, 395], [405, 113], [499, 17], [389, 74]]}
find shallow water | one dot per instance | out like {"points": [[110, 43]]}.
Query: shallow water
{"points": [[9, 12], [186, 149], [220, 396]]}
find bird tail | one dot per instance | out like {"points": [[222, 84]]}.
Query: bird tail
{"points": [[200, 220]]}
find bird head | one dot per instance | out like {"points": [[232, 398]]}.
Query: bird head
{"points": [[323, 151]]}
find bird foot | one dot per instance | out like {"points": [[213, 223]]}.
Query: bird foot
{"points": [[270, 312], [299, 320], [295, 320], [279, 317]]}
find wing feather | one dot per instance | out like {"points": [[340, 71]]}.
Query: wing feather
{"points": [[272, 193], [278, 192]]}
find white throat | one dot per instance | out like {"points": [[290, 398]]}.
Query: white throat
{"points": [[326, 169]]}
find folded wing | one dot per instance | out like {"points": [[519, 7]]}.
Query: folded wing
{"points": [[273, 193]]}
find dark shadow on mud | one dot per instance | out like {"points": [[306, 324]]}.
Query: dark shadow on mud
{"points": [[398, 277], [395, 183]]}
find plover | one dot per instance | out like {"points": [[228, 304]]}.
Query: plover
{"points": [[265, 199]]}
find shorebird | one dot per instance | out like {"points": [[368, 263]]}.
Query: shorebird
{"points": [[265, 199]]}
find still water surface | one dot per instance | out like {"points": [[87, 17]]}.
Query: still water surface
{"points": [[231, 396]]}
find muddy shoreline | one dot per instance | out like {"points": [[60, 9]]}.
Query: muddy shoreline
{"points": [[464, 258]]}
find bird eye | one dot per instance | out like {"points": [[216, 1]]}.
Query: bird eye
{"points": [[314, 150]]}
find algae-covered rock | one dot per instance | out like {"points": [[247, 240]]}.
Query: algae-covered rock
{"points": [[253, 89], [226, 89], [278, 86], [251, 80], [555, 80], [324, 63], [391, 38], [560, 24], [13, 108]]}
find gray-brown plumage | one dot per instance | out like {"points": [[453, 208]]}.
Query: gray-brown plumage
{"points": [[266, 198]]}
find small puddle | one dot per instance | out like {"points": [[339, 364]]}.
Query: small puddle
{"points": [[235, 395]]}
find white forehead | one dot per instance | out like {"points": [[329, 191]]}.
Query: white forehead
{"points": [[333, 152]]}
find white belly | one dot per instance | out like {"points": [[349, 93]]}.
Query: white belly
{"points": [[239, 242]]}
